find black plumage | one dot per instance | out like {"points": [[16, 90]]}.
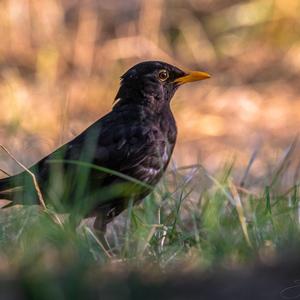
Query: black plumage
{"points": [[136, 139]]}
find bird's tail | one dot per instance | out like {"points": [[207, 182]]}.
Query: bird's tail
{"points": [[7, 189], [5, 183], [18, 189]]}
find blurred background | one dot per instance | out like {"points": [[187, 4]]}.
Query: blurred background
{"points": [[60, 63]]}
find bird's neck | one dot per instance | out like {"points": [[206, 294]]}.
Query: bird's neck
{"points": [[164, 119], [149, 103], [146, 97], [144, 106]]}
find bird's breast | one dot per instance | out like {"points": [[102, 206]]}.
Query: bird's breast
{"points": [[149, 139], [156, 157]]}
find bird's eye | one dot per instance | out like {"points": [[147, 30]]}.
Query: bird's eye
{"points": [[163, 75]]}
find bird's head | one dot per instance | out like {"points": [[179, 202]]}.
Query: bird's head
{"points": [[154, 83]]}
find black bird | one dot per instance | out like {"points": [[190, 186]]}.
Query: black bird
{"points": [[135, 139]]}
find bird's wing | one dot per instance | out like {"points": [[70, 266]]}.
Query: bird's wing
{"points": [[112, 142]]}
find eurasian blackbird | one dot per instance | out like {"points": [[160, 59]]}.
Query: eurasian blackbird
{"points": [[119, 157]]}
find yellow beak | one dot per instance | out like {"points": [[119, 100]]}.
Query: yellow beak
{"points": [[192, 76]]}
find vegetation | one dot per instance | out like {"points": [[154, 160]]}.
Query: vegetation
{"points": [[180, 226], [231, 195]]}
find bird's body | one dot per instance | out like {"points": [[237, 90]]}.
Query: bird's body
{"points": [[136, 139]]}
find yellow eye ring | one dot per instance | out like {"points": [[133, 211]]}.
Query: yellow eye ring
{"points": [[163, 75]]}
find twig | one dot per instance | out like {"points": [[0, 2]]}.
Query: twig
{"points": [[163, 238], [149, 237], [3, 171], [35, 183], [246, 191], [240, 211], [221, 187], [97, 241]]}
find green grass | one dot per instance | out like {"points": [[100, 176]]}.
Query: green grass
{"points": [[175, 223], [179, 224]]}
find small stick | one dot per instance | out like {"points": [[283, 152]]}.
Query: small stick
{"points": [[87, 229], [35, 183], [246, 191], [240, 212], [4, 172], [149, 237], [164, 235]]}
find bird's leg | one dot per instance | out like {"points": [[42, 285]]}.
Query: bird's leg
{"points": [[100, 229]]}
